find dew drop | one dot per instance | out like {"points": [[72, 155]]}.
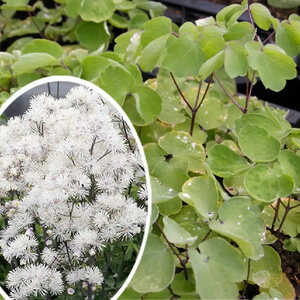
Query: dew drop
{"points": [[186, 195]]}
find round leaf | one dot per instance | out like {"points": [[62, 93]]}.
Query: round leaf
{"points": [[225, 162], [266, 184], [29, 62], [96, 11], [177, 234], [261, 16], [235, 61], [43, 46], [148, 103], [258, 144], [201, 193], [266, 272], [160, 192], [117, 82], [240, 220], [191, 56], [92, 35], [290, 164], [157, 268]]}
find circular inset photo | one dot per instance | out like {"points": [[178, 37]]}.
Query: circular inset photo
{"points": [[74, 187]]}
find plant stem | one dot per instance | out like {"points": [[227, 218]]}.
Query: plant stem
{"points": [[287, 209], [228, 94], [206, 236], [247, 279], [126, 135], [276, 214], [270, 36], [180, 92], [249, 92], [172, 246]]}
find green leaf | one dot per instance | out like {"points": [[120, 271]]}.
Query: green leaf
{"points": [[130, 109], [170, 207], [261, 16], [154, 156], [225, 162], [154, 275], [288, 37], [117, 82], [273, 65], [43, 46], [151, 133], [211, 65], [119, 21], [285, 4], [155, 8], [181, 144], [92, 35], [235, 60], [242, 31], [258, 144], [72, 8], [266, 183], [264, 121], [172, 108], [26, 78], [29, 62], [286, 288], [130, 294], [212, 113], [148, 103], [93, 66], [161, 193], [191, 56], [152, 54], [235, 184], [202, 194], [182, 286], [240, 221], [154, 29], [211, 41], [189, 30], [191, 222], [266, 272], [177, 234], [216, 268], [292, 244], [96, 11], [290, 164], [229, 14], [172, 172]]}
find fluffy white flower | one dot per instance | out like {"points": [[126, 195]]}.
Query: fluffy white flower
{"points": [[70, 161], [34, 280], [90, 274]]}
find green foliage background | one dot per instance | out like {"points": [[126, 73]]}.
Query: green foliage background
{"points": [[224, 167]]}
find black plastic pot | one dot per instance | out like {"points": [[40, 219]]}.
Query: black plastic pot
{"points": [[22, 103]]}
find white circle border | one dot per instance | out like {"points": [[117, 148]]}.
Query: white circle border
{"points": [[117, 106]]}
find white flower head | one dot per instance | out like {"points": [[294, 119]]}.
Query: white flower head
{"points": [[71, 165]]}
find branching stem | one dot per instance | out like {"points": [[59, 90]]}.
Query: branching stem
{"points": [[242, 109]]}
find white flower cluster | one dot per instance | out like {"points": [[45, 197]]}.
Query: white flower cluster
{"points": [[67, 165]]}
